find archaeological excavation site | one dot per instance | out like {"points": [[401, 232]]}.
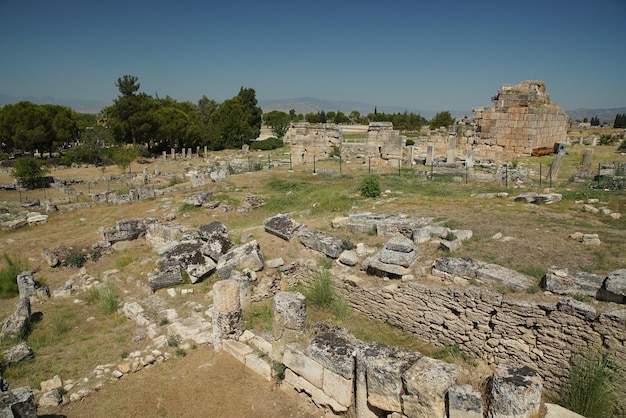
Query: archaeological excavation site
{"points": [[465, 271]]}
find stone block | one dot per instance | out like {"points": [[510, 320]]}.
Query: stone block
{"points": [[303, 365], [515, 392], [283, 226], [426, 383], [339, 388], [614, 287], [246, 256], [226, 296], [260, 366], [323, 242], [15, 354], [317, 395], [464, 402], [237, 349], [565, 281]]}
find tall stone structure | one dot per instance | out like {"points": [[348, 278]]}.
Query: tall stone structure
{"points": [[384, 143], [309, 140], [521, 119]]}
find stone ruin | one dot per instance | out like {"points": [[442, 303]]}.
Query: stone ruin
{"points": [[522, 119], [340, 373], [312, 140], [382, 144]]}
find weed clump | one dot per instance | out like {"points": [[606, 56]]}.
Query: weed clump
{"points": [[8, 276], [590, 390], [370, 186]]}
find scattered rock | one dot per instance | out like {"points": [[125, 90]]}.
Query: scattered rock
{"points": [[283, 226], [18, 353], [614, 287], [564, 281], [18, 402], [323, 242]]}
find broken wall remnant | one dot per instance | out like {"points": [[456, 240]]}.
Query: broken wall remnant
{"points": [[521, 119], [384, 143], [313, 140]]}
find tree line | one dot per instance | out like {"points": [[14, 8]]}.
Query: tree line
{"points": [[164, 123]]}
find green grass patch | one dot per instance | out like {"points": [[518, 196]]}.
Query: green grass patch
{"points": [[105, 297], [259, 316], [8, 276], [187, 207], [123, 261], [590, 390]]}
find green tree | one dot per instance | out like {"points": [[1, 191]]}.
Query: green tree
{"points": [[595, 121], [292, 115], [29, 171], [620, 121], [278, 121], [128, 85], [235, 122], [441, 119], [123, 156], [355, 116]]}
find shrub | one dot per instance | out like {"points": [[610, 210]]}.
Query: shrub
{"points": [[8, 276], [410, 142], [75, 259], [607, 139], [105, 297], [321, 294], [370, 186], [336, 152], [590, 391], [29, 171], [267, 144]]}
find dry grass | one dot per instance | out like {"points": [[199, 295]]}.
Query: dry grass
{"points": [[69, 345]]}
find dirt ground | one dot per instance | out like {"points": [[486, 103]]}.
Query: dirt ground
{"points": [[202, 384]]}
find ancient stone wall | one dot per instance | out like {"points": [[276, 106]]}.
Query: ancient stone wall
{"points": [[312, 140], [384, 143], [486, 325], [521, 119]]}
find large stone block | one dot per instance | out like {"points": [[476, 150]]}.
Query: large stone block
{"points": [[283, 226], [565, 281], [323, 242], [217, 240], [515, 392], [295, 359], [426, 383], [464, 402], [614, 287], [246, 256]]}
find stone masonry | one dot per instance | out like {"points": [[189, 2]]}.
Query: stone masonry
{"points": [[521, 119], [312, 140]]}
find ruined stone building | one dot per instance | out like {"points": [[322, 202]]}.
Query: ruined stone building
{"points": [[521, 119], [383, 144], [309, 140]]}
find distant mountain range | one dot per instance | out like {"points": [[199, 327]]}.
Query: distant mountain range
{"points": [[306, 105]]}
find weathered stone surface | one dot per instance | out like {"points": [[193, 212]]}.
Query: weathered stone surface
{"points": [[397, 258], [190, 257], [349, 258], [373, 265], [217, 240], [318, 396], [384, 366], [169, 276], [50, 257], [219, 175], [18, 323], [18, 353], [55, 383], [576, 308], [51, 398], [614, 287], [334, 349], [323, 242], [464, 402], [303, 365], [565, 281], [450, 246], [246, 256], [26, 284], [460, 267], [283, 226], [289, 315], [134, 312], [400, 244], [494, 273], [18, 403], [426, 383], [226, 296], [515, 392], [197, 199]]}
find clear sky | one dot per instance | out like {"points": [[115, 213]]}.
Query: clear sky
{"points": [[431, 55]]}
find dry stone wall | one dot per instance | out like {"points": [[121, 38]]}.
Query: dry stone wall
{"points": [[312, 140], [486, 325]]}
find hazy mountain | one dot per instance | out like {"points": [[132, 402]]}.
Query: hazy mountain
{"points": [[79, 105], [605, 115], [306, 105]]}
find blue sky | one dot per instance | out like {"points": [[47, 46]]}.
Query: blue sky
{"points": [[430, 55]]}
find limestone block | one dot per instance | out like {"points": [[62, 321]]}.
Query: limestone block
{"points": [[283, 226], [246, 256], [497, 274], [564, 281], [19, 402], [317, 395], [573, 307], [464, 402], [237, 349], [426, 383], [189, 256], [226, 296], [26, 284], [295, 359], [421, 235], [289, 314], [557, 411], [461, 267], [18, 323], [334, 349], [614, 287], [384, 366], [55, 383], [515, 392], [51, 398], [338, 387], [17, 353], [169, 276], [260, 366], [323, 242]]}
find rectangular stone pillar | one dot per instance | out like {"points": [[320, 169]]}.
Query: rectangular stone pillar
{"points": [[553, 173], [451, 157], [469, 159], [173, 154], [587, 157], [188, 153], [430, 154], [165, 155]]}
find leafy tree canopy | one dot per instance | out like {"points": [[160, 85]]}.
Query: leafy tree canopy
{"points": [[278, 121], [29, 171], [441, 119]]}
